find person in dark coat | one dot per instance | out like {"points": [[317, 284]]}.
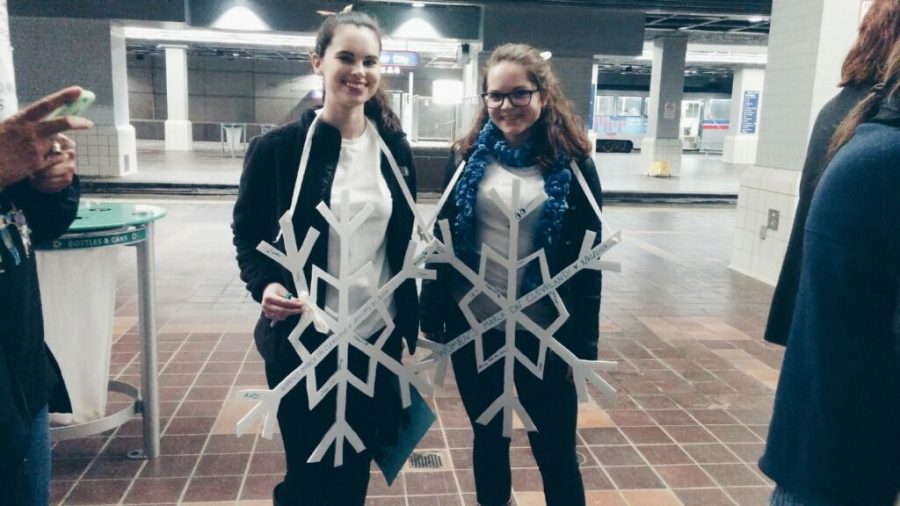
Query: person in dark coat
{"points": [[345, 159], [834, 439], [877, 33], [526, 133], [38, 201]]}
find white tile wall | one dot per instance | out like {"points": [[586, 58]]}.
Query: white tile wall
{"points": [[740, 149], [807, 44], [763, 189], [106, 151]]}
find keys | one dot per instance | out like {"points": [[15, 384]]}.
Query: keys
{"points": [[24, 230], [6, 237]]}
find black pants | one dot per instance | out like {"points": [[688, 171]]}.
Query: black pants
{"points": [[322, 484], [551, 403]]}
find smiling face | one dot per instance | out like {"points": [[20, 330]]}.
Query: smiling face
{"points": [[350, 66], [514, 121]]}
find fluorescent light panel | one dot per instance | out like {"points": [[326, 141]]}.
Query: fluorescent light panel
{"points": [[257, 39]]}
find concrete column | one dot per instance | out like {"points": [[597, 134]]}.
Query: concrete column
{"points": [[575, 77], [8, 102], [743, 130], [662, 142], [471, 92], [808, 42], [179, 136], [52, 53]]}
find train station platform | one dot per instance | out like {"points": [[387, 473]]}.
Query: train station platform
{"points": [[695, 380], [208, 170]]}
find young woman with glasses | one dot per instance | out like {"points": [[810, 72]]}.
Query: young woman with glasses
{"points": [[526, 132]]}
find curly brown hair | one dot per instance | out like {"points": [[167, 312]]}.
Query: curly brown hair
{"points": [[879, 30], [557, 129]]}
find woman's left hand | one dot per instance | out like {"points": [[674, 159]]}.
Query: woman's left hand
{"points": [[59, 167]]}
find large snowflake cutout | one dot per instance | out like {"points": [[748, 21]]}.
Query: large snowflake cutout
{"points": [[511, 311], [342, 326]]}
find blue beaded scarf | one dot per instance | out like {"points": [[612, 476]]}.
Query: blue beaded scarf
{"points": [[556, 186]]}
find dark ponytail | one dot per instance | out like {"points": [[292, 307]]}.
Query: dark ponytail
{"points": [[377, 108]]}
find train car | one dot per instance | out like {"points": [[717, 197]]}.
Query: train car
{"points": [[620, 120]]}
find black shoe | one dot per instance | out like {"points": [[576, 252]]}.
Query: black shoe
{"points": [[277, 495]]}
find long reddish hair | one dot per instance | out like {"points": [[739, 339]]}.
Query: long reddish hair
{"points": [[878, 32], [557, 129], [887, 88]]}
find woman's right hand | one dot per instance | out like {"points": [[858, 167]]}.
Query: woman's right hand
{"points": [[276, 307]]}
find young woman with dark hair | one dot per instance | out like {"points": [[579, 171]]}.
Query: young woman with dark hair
{"points": [[345, 158], [526, 134], [834, 439]]}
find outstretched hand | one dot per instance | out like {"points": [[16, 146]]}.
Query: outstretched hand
{"points": [[27, 141]]}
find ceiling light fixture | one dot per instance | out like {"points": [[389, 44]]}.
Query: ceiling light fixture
{"points": [[240, 18], [300, 42]]}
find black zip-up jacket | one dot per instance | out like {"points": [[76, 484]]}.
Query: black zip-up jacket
{"points": [[27, 375], [267, 183], [581, 294], [784, 299]]}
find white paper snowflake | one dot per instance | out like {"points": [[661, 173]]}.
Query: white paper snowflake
{"points": [[511, 315], [342, 327]]}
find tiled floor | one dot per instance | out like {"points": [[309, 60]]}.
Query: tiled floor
{"points": [[695, 381]]}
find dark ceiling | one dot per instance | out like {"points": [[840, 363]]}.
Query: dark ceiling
{"points": [[704, 21], [733, 7]]}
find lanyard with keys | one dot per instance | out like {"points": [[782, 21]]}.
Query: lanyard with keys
{"points": [[14, 218]]}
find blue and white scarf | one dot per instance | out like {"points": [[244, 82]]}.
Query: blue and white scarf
{"points": [[556, 186]]}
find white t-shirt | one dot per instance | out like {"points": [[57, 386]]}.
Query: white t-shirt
{"points": [[358, 172], [494, 231]]}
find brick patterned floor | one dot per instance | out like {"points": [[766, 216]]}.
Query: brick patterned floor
{"points": [[695, 381]]}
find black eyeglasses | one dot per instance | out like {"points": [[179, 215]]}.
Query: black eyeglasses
{"points": [[517, 98]]}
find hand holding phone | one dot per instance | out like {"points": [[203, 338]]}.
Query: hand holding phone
{"points": [[76, 107]]}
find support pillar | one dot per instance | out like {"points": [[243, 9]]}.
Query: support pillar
{"points": [[574, 75], [179, 131], [471, 91], [743, 130], [808, 42], [662, 142], [8, 102], [52, 53]]}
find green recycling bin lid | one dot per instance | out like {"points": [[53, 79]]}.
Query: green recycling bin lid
{"points": [[101, 215]]}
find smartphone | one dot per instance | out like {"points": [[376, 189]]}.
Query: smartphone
{"points": [[76, 107]]}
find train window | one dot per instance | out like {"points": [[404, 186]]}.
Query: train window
{"points": [[719, 108], [606, 105], [628, 106]]}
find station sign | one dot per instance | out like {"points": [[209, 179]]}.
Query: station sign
{"points": [[749, 111], [400, 59]]}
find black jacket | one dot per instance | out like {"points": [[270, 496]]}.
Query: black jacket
{"points": [[27, 375], [580, 295], [267, 184], [785, 297]]}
